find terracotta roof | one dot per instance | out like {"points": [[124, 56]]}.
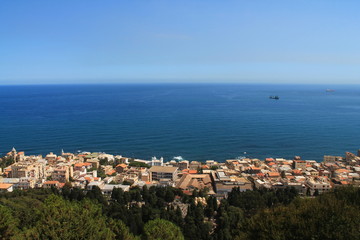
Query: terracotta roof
{"points": [[123, 165], [163, 169], [51, 182], [274, 174], [110, 172], [5, 185], [187, 192]]}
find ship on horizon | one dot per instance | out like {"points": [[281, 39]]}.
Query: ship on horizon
{"points": [[274, 97]]}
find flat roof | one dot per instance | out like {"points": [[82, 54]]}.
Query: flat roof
{"points": [[163, 169]]}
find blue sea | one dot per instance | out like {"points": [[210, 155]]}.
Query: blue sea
{"points": [[195, 121]]}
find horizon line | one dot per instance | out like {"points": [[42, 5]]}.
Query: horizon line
{"points": [[175, 83]]}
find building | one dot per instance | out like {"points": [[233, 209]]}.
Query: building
{"points": [[50, 184], [28, 169], [328, 158], [184, 164], [156, 162], [6, 187], [195, 165], [121, 167], [51, 158], [320, 184], [107, 189], [191, 182], [299, 164], [158, 172], [61, 174]]}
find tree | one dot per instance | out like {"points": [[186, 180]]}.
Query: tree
{"points": [[308, 192], [138, 164], [316, 193], [169, 195], [214, 167], [62, 219], [160, 229], [95, 193], [7, 223], [121, 230]]}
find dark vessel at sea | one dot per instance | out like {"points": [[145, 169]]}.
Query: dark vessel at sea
{"points": [[274, 97]]}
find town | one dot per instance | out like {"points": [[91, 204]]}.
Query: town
{"points": [[86, 170]]}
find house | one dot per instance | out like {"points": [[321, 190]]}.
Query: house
{"points": [[299, 164], [61, 174], [191, 182], [158, 172], [49, 184], [121, 167], [6, 187]]}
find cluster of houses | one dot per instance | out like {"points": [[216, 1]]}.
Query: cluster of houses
{"points": [[86, 170]]}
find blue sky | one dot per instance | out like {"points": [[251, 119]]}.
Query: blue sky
{"points": [[89, 41]]}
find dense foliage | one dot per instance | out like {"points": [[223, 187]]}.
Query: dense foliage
{"points": [[166, 213]]}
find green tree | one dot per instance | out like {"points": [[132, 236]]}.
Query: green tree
{"points": [[120, 230], [160, 229], [8, 224], [62, 219]]}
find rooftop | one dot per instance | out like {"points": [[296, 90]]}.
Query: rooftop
{"points": [[163, 169]]}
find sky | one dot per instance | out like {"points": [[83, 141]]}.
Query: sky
{"points": [[242, 41]]}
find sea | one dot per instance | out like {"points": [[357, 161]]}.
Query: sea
{"points": [[196, 121]]}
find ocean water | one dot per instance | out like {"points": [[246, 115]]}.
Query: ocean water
{"points": [[196, 121]]}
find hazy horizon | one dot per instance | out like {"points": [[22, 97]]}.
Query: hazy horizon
{"points": [[311, 42]]}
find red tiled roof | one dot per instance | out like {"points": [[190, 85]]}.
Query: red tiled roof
{"points": [[110, 172], [274, 174], [5, 185], [123, 165], [51, 182]]}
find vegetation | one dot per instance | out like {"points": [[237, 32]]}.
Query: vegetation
{"points": [[158, 213], [6, 161], [159, 229], [138, 164]]}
